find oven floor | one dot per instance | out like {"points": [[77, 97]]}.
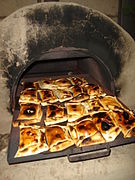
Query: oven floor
{"points": [[119, 166]]}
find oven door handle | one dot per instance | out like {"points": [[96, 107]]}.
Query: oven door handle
{"points": [[89, 155]]}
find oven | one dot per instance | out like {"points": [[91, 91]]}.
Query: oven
{"points": [[58, 63], [61, 40]]}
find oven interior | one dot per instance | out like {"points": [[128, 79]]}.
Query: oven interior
{"points": [[89, 66]]}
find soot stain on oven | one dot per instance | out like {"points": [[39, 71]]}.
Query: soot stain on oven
{"points": [[12, 70], [72, 26], [56, 15], [59, 27], [38, 16]]}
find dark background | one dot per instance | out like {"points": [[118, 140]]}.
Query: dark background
{"points": [[126, 16]]}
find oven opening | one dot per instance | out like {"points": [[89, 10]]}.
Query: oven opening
{"points": [[91, 68]]}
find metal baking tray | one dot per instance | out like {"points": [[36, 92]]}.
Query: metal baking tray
{"points": [[74, 154]]}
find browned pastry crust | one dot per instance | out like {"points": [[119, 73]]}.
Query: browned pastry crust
{"points": [[63, 95], [76, 90], [94, 90], [30, 112], [24, 123], [93, 106], [29, 96], [58, 138], [111, 103], [105, 123], [78, 81], [29, 85], [126, 121], [86, 117], [47, 84], [62, 83], [131, 133], [85, 133], [80, 98], [55, 114], [31, 141], [75, 111], [47, 96]]}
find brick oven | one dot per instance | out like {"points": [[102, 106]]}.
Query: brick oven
{"points": [[65, 38]]}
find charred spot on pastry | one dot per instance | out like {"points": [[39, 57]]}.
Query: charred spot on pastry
{"points": [[58, 136], [28, 132], [42, 137], [120, 117], [53, 113], [30, 111], [93, 103], [41, 145], [77, 88], [116, 107], [127, 127], [108, 118], [96, 108], [74, 106], [84, 117], [87, 140], [47, 93], [101, 97], [117, 129], [125, 115], [81, 127], [32, 95], [32, 134], [65, 111], [100, 115], [71, 128], [96, 88], [105, 126], [64, 81], [81, 137], [21, 145], [99, 120], [25, 150], [36, 140], [48, 129], [52, 107]]}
